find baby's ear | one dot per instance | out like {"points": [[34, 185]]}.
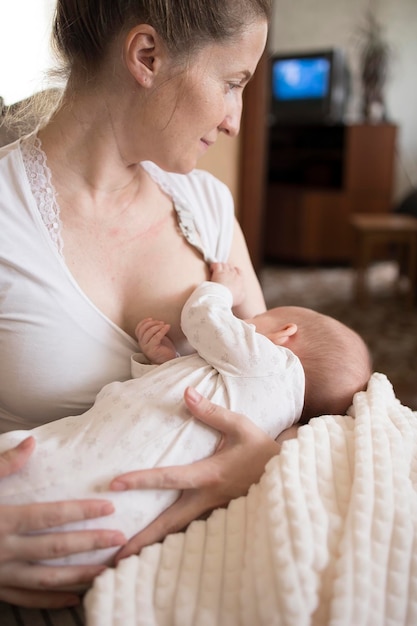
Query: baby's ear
{"points": [[281, 336]]}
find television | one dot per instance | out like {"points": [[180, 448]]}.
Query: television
{"points": [[309, 87]]}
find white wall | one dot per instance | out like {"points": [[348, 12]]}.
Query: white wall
{"points": [[314, 24], [25, 54]]}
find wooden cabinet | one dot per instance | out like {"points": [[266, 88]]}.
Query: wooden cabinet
{"points": [[317, 177]]}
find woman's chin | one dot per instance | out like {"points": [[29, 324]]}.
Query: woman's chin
{"points": [[184, 166]]}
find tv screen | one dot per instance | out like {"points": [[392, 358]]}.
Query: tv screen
{"points": [[301, 78], [309, 87]]}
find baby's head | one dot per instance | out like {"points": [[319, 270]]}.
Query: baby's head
{"points": [[335, 358]]}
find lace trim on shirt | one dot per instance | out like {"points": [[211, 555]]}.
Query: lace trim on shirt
{"points": [[39, 175], [186, 221]]}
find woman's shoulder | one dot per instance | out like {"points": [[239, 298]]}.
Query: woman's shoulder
{"points": [[8, 149], [11, 167]]}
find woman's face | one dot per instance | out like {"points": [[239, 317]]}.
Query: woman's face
{"points": [[187, 110]]}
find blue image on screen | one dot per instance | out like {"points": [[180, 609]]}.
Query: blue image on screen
{"points": [[303, 78]]}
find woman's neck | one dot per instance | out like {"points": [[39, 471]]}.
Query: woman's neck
{"points": [[83, 145]]}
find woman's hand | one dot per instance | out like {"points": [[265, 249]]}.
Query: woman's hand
{"points": [[239, 462], [26, 583], [12, 460]]}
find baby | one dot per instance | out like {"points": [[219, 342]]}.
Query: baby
{"points": [[283, 365]]}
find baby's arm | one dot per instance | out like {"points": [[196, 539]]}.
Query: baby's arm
{"points": [[153, 341], [231, 277]]}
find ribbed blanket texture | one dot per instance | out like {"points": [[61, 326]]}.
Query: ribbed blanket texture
{"points": [[327, 537]]}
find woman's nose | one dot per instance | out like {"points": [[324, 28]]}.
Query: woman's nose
{"points": [[231, 122]]}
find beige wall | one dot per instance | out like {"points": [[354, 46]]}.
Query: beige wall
{"points": [[305, 24], [222, 160], [313, 24]]}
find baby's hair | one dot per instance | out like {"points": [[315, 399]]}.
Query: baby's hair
{"points": [[336, 361]]}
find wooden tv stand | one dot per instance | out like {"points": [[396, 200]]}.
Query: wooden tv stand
{"points": [[318, 176]]}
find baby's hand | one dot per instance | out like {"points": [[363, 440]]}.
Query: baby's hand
{"points": [[153, 341], [231, 277]]}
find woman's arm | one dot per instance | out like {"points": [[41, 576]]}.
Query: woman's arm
{"points": [[239, 462], [254, 301], [40, 586]]}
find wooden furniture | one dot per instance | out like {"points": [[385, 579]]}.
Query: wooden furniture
{"points": [[317, 177], [391, 234], [252, 175]]}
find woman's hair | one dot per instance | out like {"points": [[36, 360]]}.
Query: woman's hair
{"points": [[84, 29]]}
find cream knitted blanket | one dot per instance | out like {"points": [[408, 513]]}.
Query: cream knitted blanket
{"points": [[328, 536]]}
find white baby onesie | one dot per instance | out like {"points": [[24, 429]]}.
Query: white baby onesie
{"points": [[143, 422]]}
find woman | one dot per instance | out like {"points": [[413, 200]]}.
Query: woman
{"points": [[93, 240]]}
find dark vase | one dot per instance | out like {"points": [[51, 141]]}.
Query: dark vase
{"points": [[374, 64]]}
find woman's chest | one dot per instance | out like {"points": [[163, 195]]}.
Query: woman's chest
{"points": [[130, 273]]}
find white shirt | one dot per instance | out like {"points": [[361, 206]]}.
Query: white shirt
{"points": [[57, 348]]}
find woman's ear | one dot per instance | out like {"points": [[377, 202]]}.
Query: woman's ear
{"points": [[142, 52], [281, 336]]}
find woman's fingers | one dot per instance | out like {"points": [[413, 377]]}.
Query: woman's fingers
{"points": [[43, 586], [20, 575], [213, 415], [180, 477], [40, 516], [38, 599], [12, 460], [32, 584], [187, 508], [289, 433], [55, 545]]}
